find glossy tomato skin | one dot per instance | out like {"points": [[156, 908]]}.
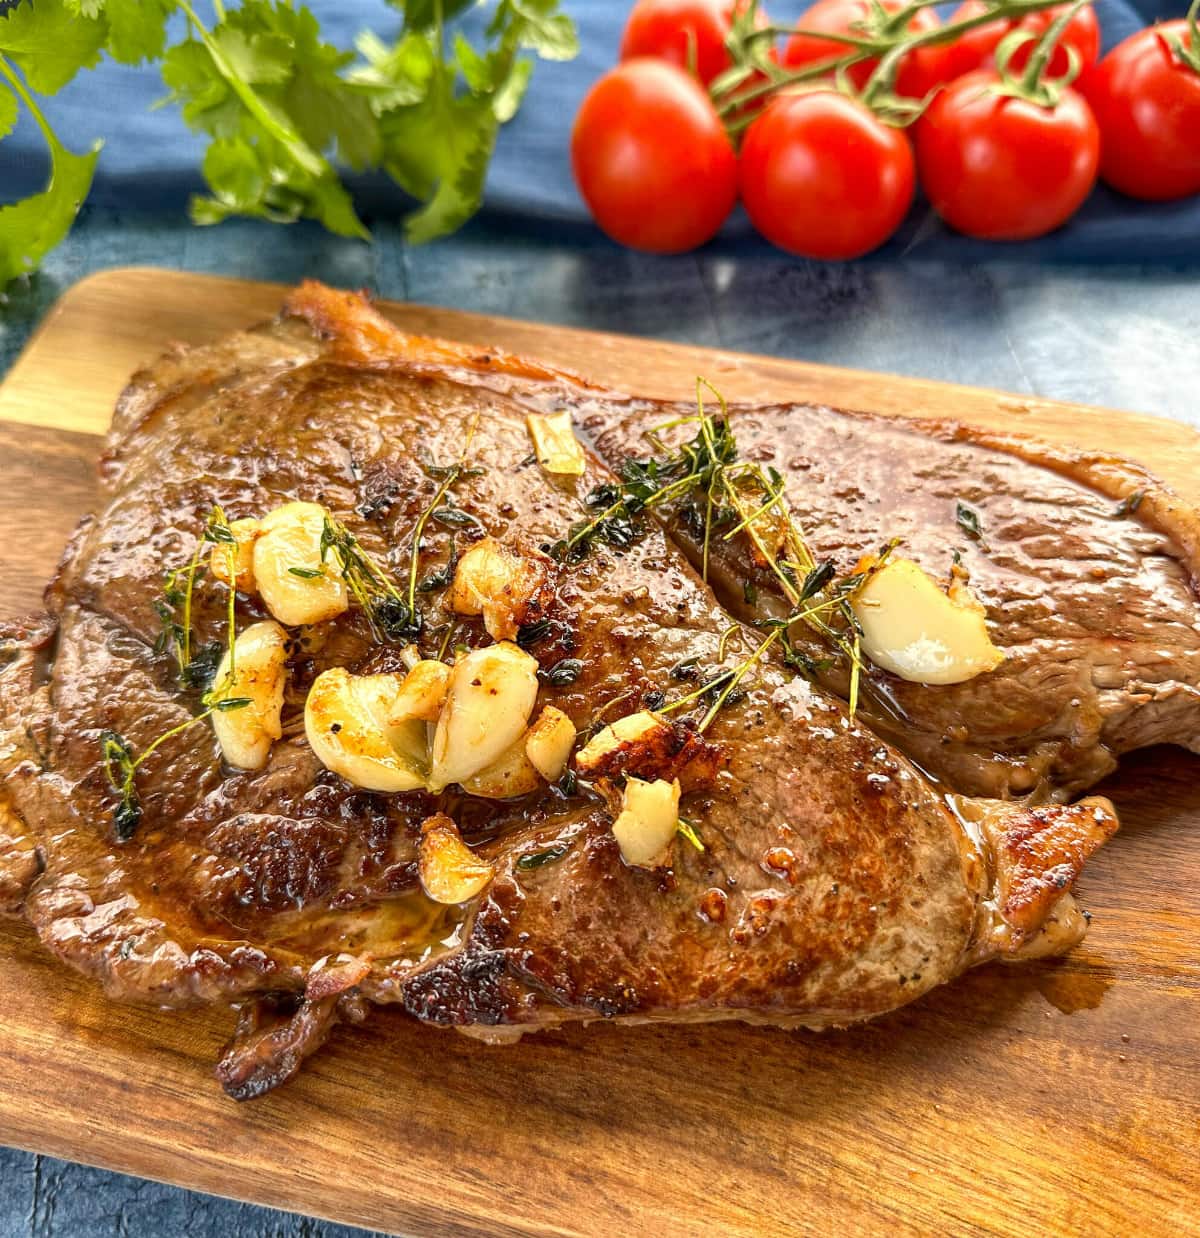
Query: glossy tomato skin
{"points": [[1147, 104], [651, 158], [823, 177], [661, 28], [976, 48], [1005, 169], [919, 72]]}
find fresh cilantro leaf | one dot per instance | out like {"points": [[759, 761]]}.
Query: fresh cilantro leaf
{"points": [[392, 76], [510, 92], [50, 43], [257, 59], [31, 228], [279, 105], [236, 91], [438, 151], [538, 26], [137, 29]]}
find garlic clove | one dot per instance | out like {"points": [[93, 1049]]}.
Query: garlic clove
{"points": [[554, 443], [259, 674], [511, 776], [491, 694], [913, 629], [290, 543], [450, 871], [633, 728], [245, 533], [648, 822], [490, 580], [347, 719], [549, 742], [422, 692]]}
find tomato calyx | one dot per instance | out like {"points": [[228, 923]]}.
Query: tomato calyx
{"points": [[1035, 84], [1188, 55]]}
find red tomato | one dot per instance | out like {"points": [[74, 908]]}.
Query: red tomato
{"points": [[823, 177], [668, 29], [1005, 169], [1147, 103], [975, 48], [652, 159], [919, 72]]}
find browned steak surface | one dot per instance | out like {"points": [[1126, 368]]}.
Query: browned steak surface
{"points": [[836, 881], [1087, 567]]}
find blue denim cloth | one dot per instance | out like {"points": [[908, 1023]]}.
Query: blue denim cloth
{"points": [[151, 161]]}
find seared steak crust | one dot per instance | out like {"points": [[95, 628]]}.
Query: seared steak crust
{"points": [[836, 880]]}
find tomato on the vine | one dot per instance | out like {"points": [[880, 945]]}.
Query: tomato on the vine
{"points": [[1003, 168], [919, 71], [680, 30], [823, 177], [652, 159], [975, 49], [1147, 103]]}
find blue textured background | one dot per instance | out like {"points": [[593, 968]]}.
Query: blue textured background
{"points": [[1109, 332], [150, 158]]}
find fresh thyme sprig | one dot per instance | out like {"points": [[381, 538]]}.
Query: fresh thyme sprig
{"points": [[644, 484], [174, 607], [390, 616], [121, 766], [719, 493]]}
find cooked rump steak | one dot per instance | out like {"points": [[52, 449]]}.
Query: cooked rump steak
{"points": [[836, 880], [1088, 567]]}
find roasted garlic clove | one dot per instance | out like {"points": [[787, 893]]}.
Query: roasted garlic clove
{"points": [[259, 675], [648, 822], [492, 693], [422, 692], [490, 580], [913, 629], [554, 443], [450, 871], [549, 742], [349, 723], [510, 776], [245, 533], [296, 584], [633, 728]]}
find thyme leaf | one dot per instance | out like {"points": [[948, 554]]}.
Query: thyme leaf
{"points": [[536, 859], [688, 830], [1129, 504], [967, 519]]}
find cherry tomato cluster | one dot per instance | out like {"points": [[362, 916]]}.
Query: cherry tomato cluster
{"points": [[1005, 115]]}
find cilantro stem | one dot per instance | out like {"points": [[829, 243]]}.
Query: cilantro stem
{"points": [[14, 80]]}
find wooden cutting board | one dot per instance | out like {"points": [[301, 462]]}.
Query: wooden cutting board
{"points": [[1057, 1098]]}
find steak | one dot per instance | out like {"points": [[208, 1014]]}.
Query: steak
{"points": [[1087, 566], [832, 880]]}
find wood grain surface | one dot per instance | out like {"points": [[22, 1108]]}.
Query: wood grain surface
{"points": [[1055, 1098]]}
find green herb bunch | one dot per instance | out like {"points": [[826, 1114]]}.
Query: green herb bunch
{"points": [[282, 108]]}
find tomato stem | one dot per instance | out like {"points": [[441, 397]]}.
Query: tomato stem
{"points": [[1032, 78], [891, 43]]}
